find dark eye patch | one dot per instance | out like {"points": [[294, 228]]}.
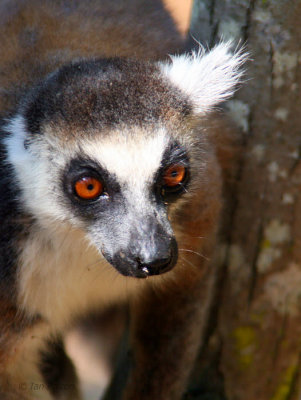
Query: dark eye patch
{"points": [[175, 160], [79, 168]]}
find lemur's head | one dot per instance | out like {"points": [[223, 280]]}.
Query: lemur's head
{"points": [[111, 146]]}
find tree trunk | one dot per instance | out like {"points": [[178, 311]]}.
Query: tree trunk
{"points": [[254, 345]]}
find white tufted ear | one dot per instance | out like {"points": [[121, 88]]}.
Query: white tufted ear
{"points": [[208, 78]]}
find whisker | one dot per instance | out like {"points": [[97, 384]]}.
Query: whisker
{"points": [[93, 264], [184, 188], [195, 252], [65, 238], [105, 269], [188, 262]]}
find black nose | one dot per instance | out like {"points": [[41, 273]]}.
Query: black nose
{"points": [[162, 261], [155, 267], [141, 264]]}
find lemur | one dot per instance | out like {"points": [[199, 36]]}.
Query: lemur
{"points": [[110, 187]]}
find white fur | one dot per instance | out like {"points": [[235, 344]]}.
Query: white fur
{"points": [[34, 172], [208, 78], [62, 277], [133, 158], [61, 273]]}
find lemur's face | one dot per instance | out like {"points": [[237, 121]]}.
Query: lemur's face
{"points": [[106, 146], [121, 187]]}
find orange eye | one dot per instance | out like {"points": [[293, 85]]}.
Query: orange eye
{"points": [[88, 188], [174, 175]]}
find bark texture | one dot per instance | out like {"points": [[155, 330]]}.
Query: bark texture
{"points": [[254, 346]]}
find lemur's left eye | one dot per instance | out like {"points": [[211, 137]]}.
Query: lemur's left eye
{"points": [[174, 181], [174, 175], [88, 188]]}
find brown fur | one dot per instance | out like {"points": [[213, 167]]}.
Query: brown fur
{"points": [[37, 37]]}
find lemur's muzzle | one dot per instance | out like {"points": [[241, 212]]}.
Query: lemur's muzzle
{"points": [[150, 251]]}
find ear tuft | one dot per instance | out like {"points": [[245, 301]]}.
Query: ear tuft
{"points": [[208, 78]]}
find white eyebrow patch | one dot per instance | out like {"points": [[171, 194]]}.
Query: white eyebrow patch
{"points": [[134, 158]]}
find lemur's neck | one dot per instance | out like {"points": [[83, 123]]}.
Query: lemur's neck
{"points": [[62, 276]]}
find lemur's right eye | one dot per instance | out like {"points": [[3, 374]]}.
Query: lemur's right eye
{"points": [[88, 188], [174, 175]]}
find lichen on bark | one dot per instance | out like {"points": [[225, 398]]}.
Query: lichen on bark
{"points": [[258, 326]]}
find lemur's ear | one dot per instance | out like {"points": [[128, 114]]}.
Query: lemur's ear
{"points": [[208, 78]]}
